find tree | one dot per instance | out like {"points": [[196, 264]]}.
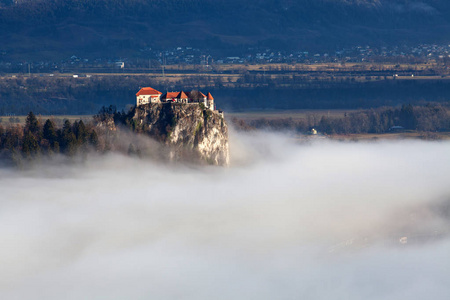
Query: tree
{"points": [[49, 133], [93, 139], [68, 140], [326, 125], [31, 124], [11, 138], [407, 117], [105, 113], [30, 146], [80, 132]]}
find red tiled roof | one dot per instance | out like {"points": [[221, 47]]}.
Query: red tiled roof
{"points": [[210, 97], [182, 95], [170, 95], [148, 91], [201, 94]]}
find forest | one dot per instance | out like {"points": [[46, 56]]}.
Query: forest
{"points": [[37, 138], [428, 118]]}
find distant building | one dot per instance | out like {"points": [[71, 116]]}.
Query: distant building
{"points": [[150, 95]]}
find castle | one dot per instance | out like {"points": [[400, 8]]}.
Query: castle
{"points": [[150, 95]]}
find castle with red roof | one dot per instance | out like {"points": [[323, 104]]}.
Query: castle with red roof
{"points": [[150, 95]]}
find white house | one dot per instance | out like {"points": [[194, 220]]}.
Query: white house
{"points": [[148, 95]]}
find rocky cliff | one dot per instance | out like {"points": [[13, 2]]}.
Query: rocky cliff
{"points": [[189, 131]]}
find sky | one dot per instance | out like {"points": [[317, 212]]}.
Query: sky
{"points": [[288, 219]]}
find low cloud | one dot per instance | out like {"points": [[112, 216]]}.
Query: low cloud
{"points": [[289, 219]]}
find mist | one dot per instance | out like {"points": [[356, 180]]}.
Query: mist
{"points": [[288, 219]]}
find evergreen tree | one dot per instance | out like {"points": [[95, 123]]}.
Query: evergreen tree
{"points": [[30, 146], [81, 132], [10, 139], [49, 132], [31, 124], [55, 147], [68, 140], [93, 139]]}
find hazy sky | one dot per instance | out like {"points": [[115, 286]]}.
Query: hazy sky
{"points": [[287, 220]]}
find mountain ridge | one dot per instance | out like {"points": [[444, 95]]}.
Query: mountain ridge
{"points": [[49, 29]]}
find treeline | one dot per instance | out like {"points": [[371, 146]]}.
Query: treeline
{"points": [[429, 118], [34, 138], [53, 96], [421, 118]]}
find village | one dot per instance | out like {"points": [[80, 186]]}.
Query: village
{"points": [[150, 95]]}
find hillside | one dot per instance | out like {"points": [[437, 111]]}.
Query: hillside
{"points": [[191, 132], [186, 133], [53, 29]]}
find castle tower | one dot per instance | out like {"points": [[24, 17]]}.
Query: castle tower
{"points": [[210, 101]]}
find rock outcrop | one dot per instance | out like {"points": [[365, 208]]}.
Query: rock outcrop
{"points": [[189, 130]]}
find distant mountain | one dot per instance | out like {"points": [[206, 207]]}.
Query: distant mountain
{"points": [[52, 29]]}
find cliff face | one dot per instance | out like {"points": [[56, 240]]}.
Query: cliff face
{"points": [[188, 130]]}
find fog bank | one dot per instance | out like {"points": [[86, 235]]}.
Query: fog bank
{"points": [[288, 220]]}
